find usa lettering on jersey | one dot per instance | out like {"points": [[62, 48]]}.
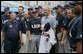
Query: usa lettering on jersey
{"points": [[35, 26]]}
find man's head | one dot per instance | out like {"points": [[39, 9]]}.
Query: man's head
{"points": [[70, 13], [6, 10], [35, 14], [47, 11], [59, 9], [77, 7], [13, 16], [20, 9], [37, 10], [66, 7], [30, 10], [40, 9]]}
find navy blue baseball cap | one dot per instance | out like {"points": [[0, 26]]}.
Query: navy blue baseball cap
{"points": [[30, 8], [67, 6], [75, 2]]}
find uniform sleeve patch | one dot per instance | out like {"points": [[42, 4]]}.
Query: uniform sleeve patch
{"points": [[80, 35], [27, 19]]}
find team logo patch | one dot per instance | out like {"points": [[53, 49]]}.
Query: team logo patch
{"points": [[27, 19], [17, 18], [10, 26], [80, 35], [36, 26], [4, 21]]}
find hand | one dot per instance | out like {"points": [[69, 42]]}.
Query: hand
{"points": [[30, 39], [21, 42], [59, 38], [47, 39], [46, 34], [42, 29], [62, 42]]}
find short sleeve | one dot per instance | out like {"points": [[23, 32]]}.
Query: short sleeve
{"points": [[53, 22], [20, 26], [79, 30], [29, 25]]}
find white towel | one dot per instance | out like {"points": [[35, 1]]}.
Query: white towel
{"points": [[45, 46]]}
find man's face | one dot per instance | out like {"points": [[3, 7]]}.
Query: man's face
{"points": [[58, 11], [12, 16], [46, 12], [20, 10], [40, 10], [7, 13], [69, 13], [65, 10], [36, 15], [30, 12]]}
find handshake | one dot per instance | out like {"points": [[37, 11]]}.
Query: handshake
{"points": [[45, 28]]}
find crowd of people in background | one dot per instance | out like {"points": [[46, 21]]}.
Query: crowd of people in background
{"points": [[24, 31]]}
